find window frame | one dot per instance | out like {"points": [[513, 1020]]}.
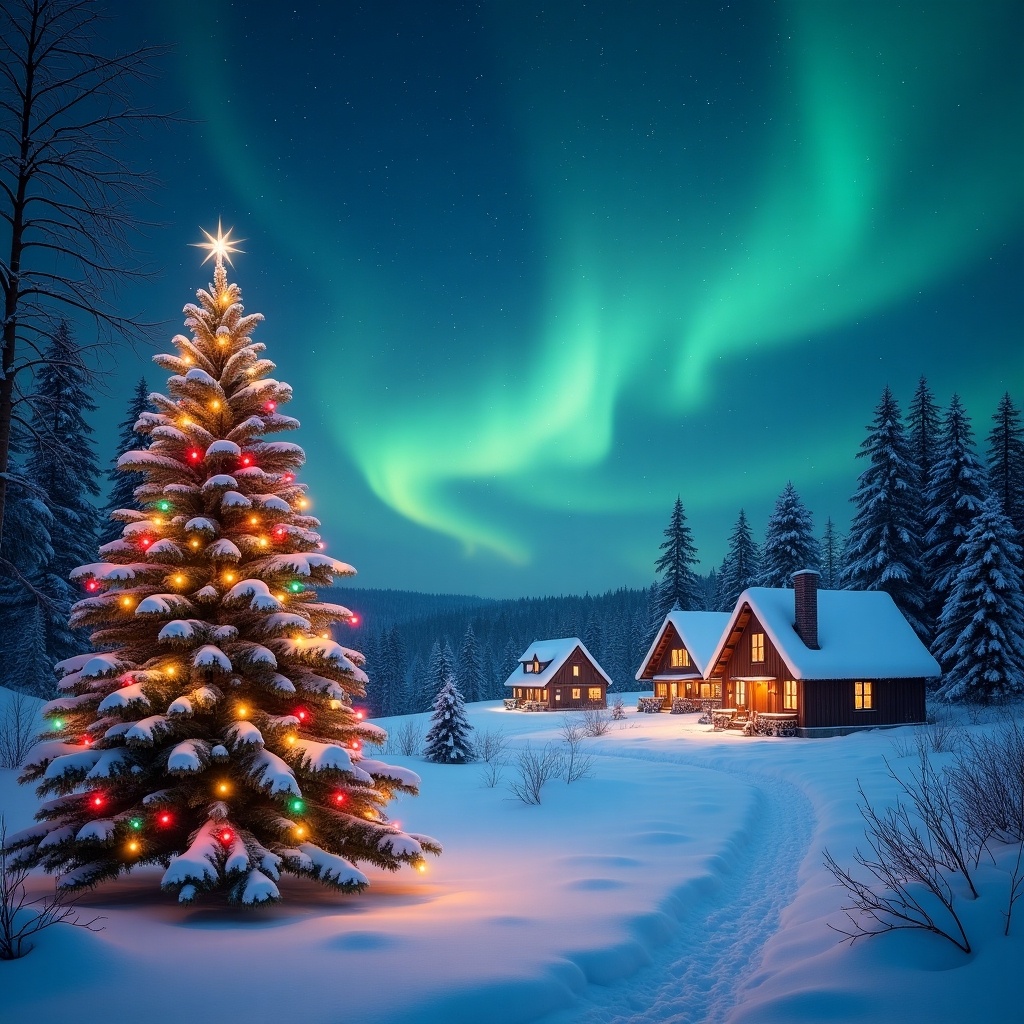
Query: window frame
{"points": [[863, 695], [757, 648], [789, 695]]}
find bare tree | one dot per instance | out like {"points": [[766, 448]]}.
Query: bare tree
{"points": [[16, 729], [596, 722], [67, 195], [577, 765]]}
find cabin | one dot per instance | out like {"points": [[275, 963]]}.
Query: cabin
{"points": [[679, 655], [558, 675], [831, 662]]}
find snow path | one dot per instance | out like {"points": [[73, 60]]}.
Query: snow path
{"points": [[696, 977]]}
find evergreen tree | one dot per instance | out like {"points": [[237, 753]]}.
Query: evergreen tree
{"points": [[831, 556], [214, 734], [957, 491], [742, 565], [1006, 462], [789, 541], [678, 582], [923, 427], [509, 661], [469, 674], [980, 642], [122, 485], [414, 685], [61, 459], [447, 741], [883, 550]]}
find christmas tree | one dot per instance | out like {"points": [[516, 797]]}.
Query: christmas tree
{"points": [[678, 584], [447, 741], [213, 732]]}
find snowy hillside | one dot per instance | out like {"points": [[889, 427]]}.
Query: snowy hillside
{"points": [[682, 881]]}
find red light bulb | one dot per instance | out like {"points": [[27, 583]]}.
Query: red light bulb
{"points": [[92, 585], [300, 715], [146, 541], [97, 801], [195, 455], [246, 460], [339, 798], [164, 819], [359, 715], [86, 741], [354, 620], [288, 478], [270, 406], [226, 836]]}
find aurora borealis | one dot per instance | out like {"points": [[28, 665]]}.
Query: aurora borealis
{"points": [[532, 270]]}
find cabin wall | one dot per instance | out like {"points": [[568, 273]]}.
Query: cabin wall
{"points": [[563, 682], [826, 703], [741, 663]]}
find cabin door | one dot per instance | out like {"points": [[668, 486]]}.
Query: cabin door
{"points": [[759, 696], [673, 690]]}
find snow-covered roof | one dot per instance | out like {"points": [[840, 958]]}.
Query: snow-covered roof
{"points": [[861, 633], [556, 653], [699, 631]]}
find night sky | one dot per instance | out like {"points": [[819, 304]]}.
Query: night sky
{"points": [[535, 269]]}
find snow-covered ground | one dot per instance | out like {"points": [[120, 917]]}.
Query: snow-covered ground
{"points": [[682, 881]]}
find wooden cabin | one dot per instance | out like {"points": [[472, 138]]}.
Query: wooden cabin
{"points": [[837, 660], [677, 658], [558, 675]]}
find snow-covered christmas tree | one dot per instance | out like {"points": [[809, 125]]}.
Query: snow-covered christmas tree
{"points": [[789, 541], [447, 741], [980, 642], [213, 731]]}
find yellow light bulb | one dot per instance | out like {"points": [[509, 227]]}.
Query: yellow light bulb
{"points": [[179, 580], [133, 846], [158, 520], [187, 360], [303, 503], [185, 421], [171, 670], [335, 704], [223, 788], [291, 740], [300, 831], [421, 867], [229, 577], [264, 542], [126, 601], [215, 405], [194, 544], [325, 636], [242, 712], [221, 340], [254, 520], [281, 597]]}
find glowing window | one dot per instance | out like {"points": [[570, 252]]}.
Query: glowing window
{"points": [[741, 692], [594, 693], [661, 689], [757, 646], [576, 670], [680, 657], [789, 694], [576, 691], [558, 695], [862, 699]]}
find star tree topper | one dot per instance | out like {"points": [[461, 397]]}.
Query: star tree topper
{"points": [[220, 246]]}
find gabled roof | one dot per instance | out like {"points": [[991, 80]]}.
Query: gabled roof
{"points": [[862, 635], [699, 631], [556, 653]]}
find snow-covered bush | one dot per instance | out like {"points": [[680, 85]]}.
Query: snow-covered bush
{"points": [[534, 769]]}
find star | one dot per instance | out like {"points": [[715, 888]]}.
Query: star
{"points": [[221, 247]]}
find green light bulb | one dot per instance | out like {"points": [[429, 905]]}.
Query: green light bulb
{"points": [[297, 806], [164, 506], [295, 586], [57, 723], [136, 823]]}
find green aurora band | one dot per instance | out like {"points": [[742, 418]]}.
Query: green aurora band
{"points": [[680, 235]]}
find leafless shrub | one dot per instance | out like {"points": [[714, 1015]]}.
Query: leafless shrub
{"points": [[21, 917], [16, 729], [533, 770], [492, 750], [618, 709], [988, 777], [577, 764], [941, 734], [906, 885], [407, 739], [595, 722]]}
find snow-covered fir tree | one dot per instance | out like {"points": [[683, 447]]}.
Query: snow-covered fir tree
{"points": [[212, 733], [741, 566], [957, 490], [440, 667], [123, 484], [677, 583], [831, 546], [1006, 462], [980, 641], [883, 549], [447, 741], [469, 672], [789, 541]]}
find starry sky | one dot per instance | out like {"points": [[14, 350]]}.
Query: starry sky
{"points": [[534, 269]]}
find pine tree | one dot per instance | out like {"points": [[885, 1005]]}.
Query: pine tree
{"points": [[414, 685], [957, 491], [742, 565], [214, 733], [61, 457], [789, 541], [469, 674], [883, 550], [678, 581], [122, 484], [923, 427], [1006, 462], [447, 741], [980, 642], [831, 556]]}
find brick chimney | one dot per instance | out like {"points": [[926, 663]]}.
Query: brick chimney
{"points": [[805, 590]]}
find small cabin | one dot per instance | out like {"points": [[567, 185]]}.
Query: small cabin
{"points": [[679, 654], [558, 675], [835, 661]]}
